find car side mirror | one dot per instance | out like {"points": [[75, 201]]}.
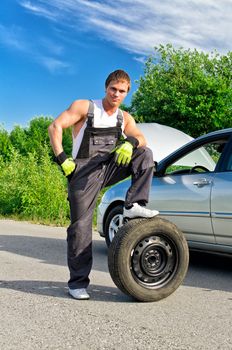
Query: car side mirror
{"points": [[155, 166], [156, 169]]}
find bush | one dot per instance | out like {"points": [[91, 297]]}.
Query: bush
{"points": [[33, 188]]}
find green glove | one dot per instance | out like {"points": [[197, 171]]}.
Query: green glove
{"points": [[68, 166], [123, 153]]}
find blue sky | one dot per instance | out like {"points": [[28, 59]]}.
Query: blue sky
{"points": [[55, 51]]}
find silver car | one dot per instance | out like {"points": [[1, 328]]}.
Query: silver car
{"points": [[192, 187]]}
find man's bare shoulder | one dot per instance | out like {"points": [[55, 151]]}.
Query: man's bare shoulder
{"points": [[79, 107], [128, 118]]}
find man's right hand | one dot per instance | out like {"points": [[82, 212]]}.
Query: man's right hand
{"points": [[68, 166]]}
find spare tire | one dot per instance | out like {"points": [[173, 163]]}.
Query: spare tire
{"points": [[148, 258]]}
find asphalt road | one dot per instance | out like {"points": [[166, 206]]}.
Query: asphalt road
{"points": [[36, 311]]}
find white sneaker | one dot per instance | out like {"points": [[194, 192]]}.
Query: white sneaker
{"points": [[79, 294], [137, 211]]}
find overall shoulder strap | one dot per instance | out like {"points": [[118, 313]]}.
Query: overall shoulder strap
{"points": [[90, 114], [120, 118]]}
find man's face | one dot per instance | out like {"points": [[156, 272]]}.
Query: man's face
{"points": [[116, 91]]}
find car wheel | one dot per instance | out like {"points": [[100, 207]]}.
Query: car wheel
{"points": [[148, 258], [114, 221]]}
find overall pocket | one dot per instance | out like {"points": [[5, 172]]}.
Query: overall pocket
{"points": [[101, 144]]}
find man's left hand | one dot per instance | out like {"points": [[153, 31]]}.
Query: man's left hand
{"points": [[123, 154]]}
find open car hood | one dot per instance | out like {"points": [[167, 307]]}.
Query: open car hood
{"points": [[163, 139]]}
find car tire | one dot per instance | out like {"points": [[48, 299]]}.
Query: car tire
{"points": [[113, 222], [148, 259]]}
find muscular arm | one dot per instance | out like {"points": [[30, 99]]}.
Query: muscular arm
{"points": [[71, 116], [132, 130]]}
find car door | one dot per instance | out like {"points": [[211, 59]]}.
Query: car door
{"points": [[186, 204], [183, 193], [221, 202]]}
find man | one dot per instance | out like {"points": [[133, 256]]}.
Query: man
{"points": [[107, 148]]}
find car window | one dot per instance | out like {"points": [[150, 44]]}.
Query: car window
{"points": [[201, 159]]}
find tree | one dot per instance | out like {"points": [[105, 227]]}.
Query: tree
{"points": [[5, 144], [185, 89], [32, 138], [35, 137], [18, 139]]}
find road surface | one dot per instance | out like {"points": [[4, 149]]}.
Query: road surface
{"points": [[36, 311]]}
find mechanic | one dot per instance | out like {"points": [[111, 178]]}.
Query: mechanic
{"points": [[107, 148]]}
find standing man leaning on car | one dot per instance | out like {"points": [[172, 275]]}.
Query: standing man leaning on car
{"points": [[107, 148]]}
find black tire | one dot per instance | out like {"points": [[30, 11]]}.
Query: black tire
{"points": [[113, 222], [148, 258]]}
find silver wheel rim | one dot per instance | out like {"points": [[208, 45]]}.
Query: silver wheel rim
{"points": [[115, 224], [154, 261]]}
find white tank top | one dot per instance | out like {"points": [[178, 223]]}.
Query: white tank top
{"points": [[101, 120]]}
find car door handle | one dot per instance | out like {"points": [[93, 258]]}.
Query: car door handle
{"points": [[202, 182]]}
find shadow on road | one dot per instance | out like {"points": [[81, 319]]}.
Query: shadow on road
{"points": [[210, 271], [206, 270], [60, 290], [49, 250]]}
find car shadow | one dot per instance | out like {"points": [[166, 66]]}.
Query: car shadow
{"points": [[210, 271]]}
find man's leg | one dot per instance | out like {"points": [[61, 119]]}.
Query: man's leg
{"points": [[83, 192], [141, 171]]}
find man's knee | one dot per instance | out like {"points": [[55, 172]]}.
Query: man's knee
{"points": [[147, 153], [144, 153], [142, 159]]}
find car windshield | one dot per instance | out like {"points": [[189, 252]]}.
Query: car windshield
{"points": [[204, 157]]}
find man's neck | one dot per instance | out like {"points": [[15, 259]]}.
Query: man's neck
{"points": [[108, 108]]}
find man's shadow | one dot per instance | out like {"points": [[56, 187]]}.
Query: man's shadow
{"points": [[60, 290], [50, 250], [217, 268]]}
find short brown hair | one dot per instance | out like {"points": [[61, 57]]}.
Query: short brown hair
{"points": [[118, 75]]}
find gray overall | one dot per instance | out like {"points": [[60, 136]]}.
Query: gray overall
{"points": [[95, 170]]}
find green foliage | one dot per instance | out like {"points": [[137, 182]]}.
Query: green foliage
{"points": [[5, 144], [32, 187], [67, 141], [35, 137], [185, 89], [124, 107], [18, 139]]}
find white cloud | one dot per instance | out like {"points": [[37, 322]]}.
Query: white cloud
{"points": [[51, 46], [53, 65], [43, 51], [39, 10], [12, 37], [138, 25]]}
